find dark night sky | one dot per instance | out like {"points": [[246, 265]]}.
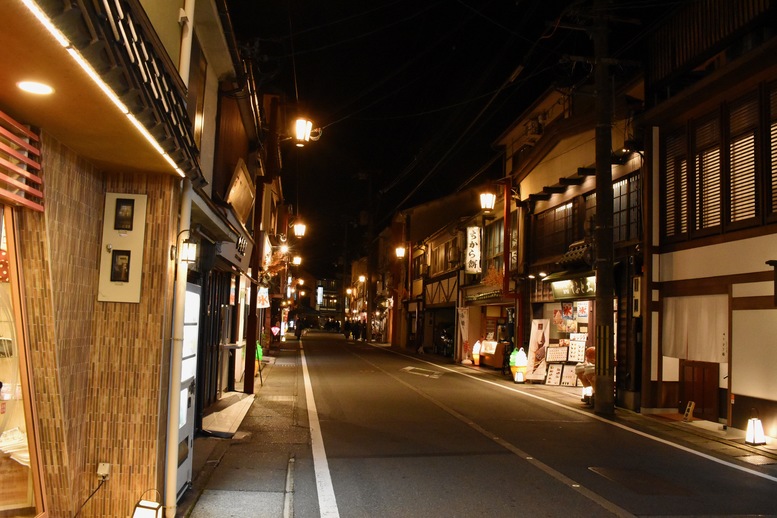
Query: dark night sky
{"points": [[410, 95]]}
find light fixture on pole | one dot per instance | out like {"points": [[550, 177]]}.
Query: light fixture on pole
{"points": [[296, 260], [400, 251], [303, 127]]}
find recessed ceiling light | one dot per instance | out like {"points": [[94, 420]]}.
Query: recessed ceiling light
{"points": [[34, 87]]}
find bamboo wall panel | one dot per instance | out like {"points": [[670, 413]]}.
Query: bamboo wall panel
{"points": [[100, 369]]}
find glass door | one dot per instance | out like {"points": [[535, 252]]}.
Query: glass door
{"points": [[19, 491]]}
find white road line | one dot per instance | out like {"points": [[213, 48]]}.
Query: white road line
{"points": [[594, 416], [326, 494], [579, 488]]}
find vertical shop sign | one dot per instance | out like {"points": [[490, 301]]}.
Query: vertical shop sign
{"points": [[263, 298], [473, 251]]}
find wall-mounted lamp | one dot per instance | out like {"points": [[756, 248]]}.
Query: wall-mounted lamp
{"points": [[400, 251], [362, 278], [187, 251], [296, 260], [755, 430], [147, 508]]}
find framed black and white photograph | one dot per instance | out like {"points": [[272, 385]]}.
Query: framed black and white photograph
{"points": [[125, 213], [120, 265]]}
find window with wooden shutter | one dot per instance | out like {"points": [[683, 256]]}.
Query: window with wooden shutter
{"points": [[743, 118], [773, 147], [707, 175], [675, 198]]}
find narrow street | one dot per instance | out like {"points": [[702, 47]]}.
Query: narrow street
{"points": [[409, 435]]}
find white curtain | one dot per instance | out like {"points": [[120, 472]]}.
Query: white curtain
{"points": [[696, 328]]}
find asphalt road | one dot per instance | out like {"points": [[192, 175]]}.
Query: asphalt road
{"points": [[397, 435]]}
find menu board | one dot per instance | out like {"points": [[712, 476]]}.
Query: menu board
{"points": [[555, 371], [568, 377], [577, 344], [556, 354]]}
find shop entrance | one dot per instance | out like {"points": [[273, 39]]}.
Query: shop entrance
{"points": [[699, 383]]}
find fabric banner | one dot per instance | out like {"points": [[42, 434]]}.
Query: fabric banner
{"points": [[464, 345], [696, 328]]}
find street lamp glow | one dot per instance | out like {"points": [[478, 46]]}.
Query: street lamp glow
{"points": [[400, 251], [299, 229], [362, 278], [296, 260], [302, 129], [487, 201]]}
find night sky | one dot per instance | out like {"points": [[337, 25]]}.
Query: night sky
{"points": [[411, 96]]}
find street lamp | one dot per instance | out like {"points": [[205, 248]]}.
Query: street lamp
{"points": [[299, 228], [400, 251], [488, 200]]}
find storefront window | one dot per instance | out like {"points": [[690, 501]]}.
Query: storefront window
{"points": [[17, 497]]}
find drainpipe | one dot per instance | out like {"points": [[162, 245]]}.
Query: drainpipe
{"points": [[176, 355], [186, 21]]}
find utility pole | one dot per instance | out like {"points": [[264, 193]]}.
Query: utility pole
{"points": [[604, 401]]}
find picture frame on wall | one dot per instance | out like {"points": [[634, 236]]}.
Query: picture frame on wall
{"points": [[120, 266], [125, 213]]}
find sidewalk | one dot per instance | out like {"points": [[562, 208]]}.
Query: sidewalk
{"points": [[254, 439], [249, 443]]}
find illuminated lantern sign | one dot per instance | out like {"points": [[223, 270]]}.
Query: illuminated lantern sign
{"points": [[472, 259], [579, 288]]}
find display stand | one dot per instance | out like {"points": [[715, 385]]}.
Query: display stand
{"points": [[492, 353]]}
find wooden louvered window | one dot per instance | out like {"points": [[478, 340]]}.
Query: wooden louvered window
{"points": [[707, 180], [675, 201], [773, 149], [743, 119], [720, 173]]}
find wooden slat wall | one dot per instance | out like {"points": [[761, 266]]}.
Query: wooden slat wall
{"points": [[696, 29], [98, 367], [20, 182]]}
